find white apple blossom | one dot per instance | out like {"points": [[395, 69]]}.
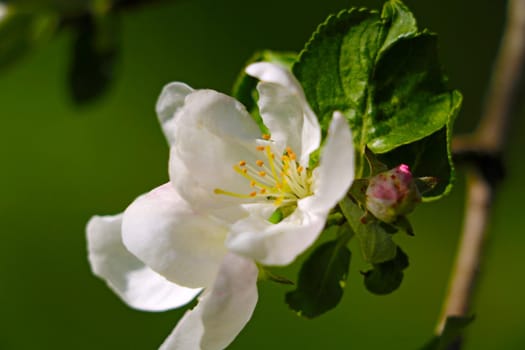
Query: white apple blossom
{"points": [[207, 228]]}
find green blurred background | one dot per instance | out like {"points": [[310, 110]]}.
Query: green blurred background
{"points": [[62, 163]]}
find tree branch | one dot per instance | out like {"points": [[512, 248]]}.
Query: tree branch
{"points": [[482, 150]]}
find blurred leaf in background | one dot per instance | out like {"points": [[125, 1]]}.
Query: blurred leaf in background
{"points": [[23, 31], [26, 25]]}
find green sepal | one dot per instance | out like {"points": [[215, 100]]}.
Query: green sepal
{"points": [[322, 277], [375, 166], [454, 327], [403, 224], [386, 277], [335, 219], [266, 274], [375, 237], [358, 190]]}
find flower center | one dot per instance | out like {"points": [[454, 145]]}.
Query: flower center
{"points": [[283, 181]]}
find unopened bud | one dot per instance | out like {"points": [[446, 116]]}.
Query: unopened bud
{"points": [[392, 193]]}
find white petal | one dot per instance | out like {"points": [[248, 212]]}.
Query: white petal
{"points": [[222, 311], [280, 244], [168, 236], [171, 99], [275, 244], [285, 111], [336, 169], [130, 279], [213, 134], [199, 190]]}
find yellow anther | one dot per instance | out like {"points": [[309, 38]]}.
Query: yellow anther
{"points": [[266, 136], [290, 153], [279, 180]]}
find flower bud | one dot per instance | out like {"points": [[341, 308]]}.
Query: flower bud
{"points": [[392, 193]]}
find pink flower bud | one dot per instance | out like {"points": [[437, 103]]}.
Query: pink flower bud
{"points": [[392, 193]]}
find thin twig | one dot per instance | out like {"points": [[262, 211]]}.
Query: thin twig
{"points": [[488, 140]]}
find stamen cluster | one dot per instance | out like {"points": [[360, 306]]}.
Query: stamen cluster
{"points": [[283, 181]]}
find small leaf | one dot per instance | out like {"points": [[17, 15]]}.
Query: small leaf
{"points": [[322, 278], [94, 57], [454, 327], [387, 276], [374, 237]]}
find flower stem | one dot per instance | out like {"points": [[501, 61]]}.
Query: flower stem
{"points": [[482, 150]]}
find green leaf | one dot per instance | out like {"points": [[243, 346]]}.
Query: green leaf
{"points": [[95, 53], [454, 327], [244, 88], [375, 238], [400, 21], [322, 278], [335, 66], [385, 78], [23, 32], [408, 90], [387, 276]]}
